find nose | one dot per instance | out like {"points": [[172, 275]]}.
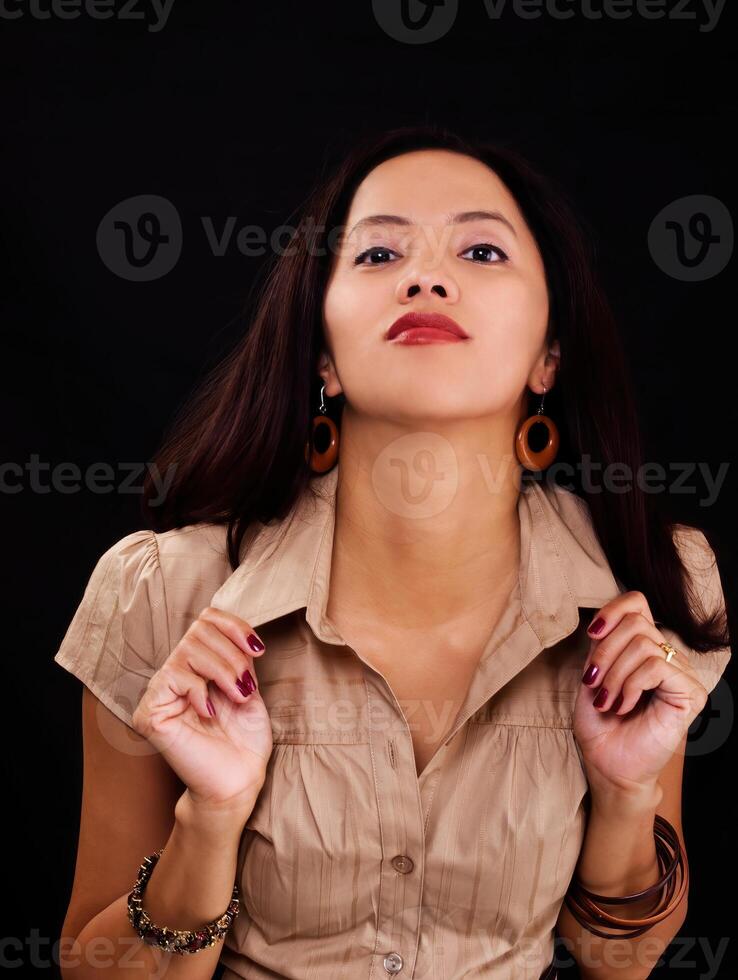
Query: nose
{"points": [[433, 282], [435, 288]]}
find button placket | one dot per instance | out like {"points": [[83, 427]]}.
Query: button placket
{"points": [[401, 817]]}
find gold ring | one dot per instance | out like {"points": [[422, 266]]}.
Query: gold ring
{"points": [[668, 649]]}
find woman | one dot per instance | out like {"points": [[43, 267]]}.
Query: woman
{"points": [[407, 707]]}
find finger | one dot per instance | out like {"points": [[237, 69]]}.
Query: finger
{"points": [[211, 636], [655, 672], [611, 679], [236, 685], [163, 698], [237, 629], [603, 653], [607, 618]]}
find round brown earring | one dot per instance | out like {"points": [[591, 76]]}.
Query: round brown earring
{"points": [[323, 426], [544, 457]]}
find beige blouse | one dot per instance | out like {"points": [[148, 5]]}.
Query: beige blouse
{"points": [[350, 865]]}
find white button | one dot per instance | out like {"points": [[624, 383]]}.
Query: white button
{"points": [[393, 963]]}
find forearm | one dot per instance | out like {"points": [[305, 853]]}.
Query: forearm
{"points": [[191, 884], [618, 857]]}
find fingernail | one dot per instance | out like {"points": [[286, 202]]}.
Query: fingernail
{"points": [[210, 707], [590, 673], [254, 642], [600, 697], [243, 689], [248, 681], [596, 626], [617, 702]]}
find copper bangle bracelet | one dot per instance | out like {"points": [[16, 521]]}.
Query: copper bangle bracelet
{"points": [[586, 908]]}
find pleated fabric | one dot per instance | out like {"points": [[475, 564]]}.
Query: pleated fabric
{"points": [[350, 864]]}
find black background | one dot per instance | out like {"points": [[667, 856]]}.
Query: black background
{"points": [[230, 109]]}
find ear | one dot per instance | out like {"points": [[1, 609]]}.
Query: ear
{"points": [[327, 371], [545, 370]]}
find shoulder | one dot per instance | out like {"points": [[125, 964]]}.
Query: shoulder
{"points": [[202, 542], [200, 546], [172, 573], [141, 597], [193, 550]]}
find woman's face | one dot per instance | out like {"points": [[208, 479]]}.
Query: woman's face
{"points": [[486, 273]]}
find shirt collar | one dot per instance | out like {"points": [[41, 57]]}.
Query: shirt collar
{"points": [[286, 564]]}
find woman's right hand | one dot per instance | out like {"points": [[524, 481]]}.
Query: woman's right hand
{"points": [[221, 759]]}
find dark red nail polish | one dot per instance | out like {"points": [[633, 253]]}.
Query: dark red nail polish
{"points": [[617, 702], [254, 642], [242, 688], [590, 673], [600, 697], [248, 681], [211, 709], [596, 626]]}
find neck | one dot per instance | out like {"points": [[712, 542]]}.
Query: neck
{"points": [[427, 530]]}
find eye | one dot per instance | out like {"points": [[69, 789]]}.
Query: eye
{"points": [[485, 249], [375, 253]]}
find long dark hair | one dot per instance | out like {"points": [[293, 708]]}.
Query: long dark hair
{"points": [[237, 448]]}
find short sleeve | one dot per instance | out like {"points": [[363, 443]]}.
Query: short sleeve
{"points": [[119, 635], [706, 597]]}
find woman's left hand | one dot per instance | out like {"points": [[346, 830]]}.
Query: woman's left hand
{"points": [[626, 744]]}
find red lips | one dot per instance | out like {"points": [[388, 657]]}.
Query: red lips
{"points": [[426, 321]]}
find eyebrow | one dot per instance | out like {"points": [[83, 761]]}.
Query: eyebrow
{"points": [[452, 219]]}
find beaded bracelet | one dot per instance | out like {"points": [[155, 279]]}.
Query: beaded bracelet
{"points": [[181, 941], [585, 906]]}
